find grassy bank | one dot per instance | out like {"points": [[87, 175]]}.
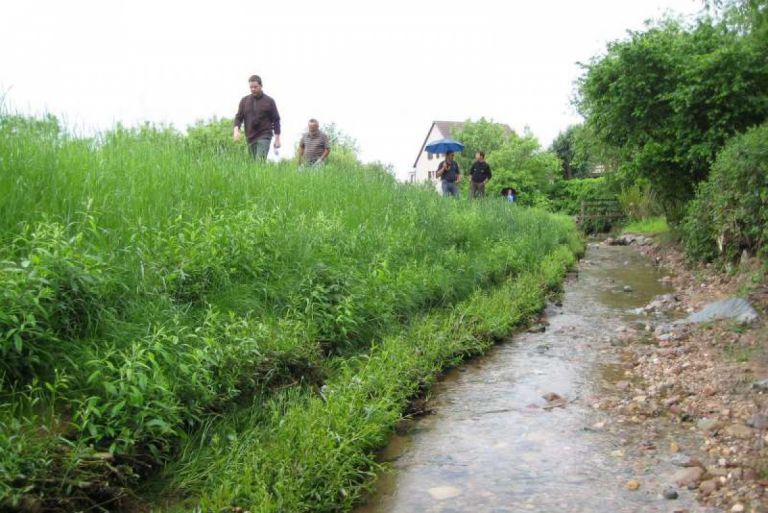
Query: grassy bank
{"points": [[650, 226], [155, 292], [313, 450]]}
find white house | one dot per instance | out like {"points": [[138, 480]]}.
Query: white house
{"points": [[426, 163]]}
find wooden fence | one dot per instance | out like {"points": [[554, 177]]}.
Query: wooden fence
{"points": [[599, 212]]}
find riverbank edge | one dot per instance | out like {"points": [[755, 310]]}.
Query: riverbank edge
{"points": [[703, 378], [316, 450]]}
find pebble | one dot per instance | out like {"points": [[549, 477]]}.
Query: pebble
{"points": [[687, 476], [737, 508], [708, 486], [444, 492], [739, 431], [680, 460], [632, 485], [670, 494], [757, 421]]}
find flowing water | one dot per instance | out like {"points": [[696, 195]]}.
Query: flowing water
{"points": [[494, 444]]}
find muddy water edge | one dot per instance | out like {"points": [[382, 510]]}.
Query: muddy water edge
{"points": [[518, 430]]}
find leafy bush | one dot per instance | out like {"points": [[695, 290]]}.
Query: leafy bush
{"points": [[639, 201], [213, 135], [730, 212], [53, 289], [568, 196]]}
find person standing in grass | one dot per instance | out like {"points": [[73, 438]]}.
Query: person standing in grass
{"points": [[258, 113], [479, 174], [314, 146], [450, 176]]}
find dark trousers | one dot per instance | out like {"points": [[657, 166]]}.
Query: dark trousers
{"points": [[260, 148], [476, 189]]}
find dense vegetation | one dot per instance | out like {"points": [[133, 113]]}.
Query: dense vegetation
{"points": [[730, 212], [665, 110], [165, 299]]}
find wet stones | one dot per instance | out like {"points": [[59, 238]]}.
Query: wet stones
{"points": [[553, 401], [687, 476], [739, 431], [761, 385]]}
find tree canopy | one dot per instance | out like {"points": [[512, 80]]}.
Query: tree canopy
{"points": [[668, 98]]}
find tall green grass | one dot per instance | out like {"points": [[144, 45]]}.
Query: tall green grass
{"points": [[151, 286]]}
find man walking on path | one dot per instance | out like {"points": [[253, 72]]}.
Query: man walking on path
{"points": [[314, 146], [449, 175], [259, 114], [479, 174]]}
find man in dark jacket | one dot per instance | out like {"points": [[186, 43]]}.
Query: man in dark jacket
{"points": [[450, 176], [259, 114], [479, 174]]}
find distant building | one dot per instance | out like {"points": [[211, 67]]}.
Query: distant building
{"points": [[426, 163]]}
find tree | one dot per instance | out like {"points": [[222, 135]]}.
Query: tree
{"points": [[482, 135], [521, 163], [344, 148], [668, 98], [576, 149]]}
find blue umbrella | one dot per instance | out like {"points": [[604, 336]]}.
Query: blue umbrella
{"points": [[444, 146]]}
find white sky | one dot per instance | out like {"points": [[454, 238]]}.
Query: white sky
{"points": [[381, 71]]}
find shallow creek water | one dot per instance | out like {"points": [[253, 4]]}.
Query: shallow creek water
{"points": [[493, 444]]}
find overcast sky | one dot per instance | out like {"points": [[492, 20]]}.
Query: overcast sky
{"points": [[382, 71]]}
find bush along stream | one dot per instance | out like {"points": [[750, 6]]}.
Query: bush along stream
{"points": [[243, 334]]}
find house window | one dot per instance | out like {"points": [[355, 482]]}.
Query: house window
{"points": [[429, 156], [429, 174]]}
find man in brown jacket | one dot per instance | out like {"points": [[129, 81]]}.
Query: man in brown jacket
{"points": [[259, 114]]}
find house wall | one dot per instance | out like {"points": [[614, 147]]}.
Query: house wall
{"points": [[426, 167]]}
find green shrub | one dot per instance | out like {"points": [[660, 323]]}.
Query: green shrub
{"points": [[568, 196], [639, 201], [730, 212], [54, 288]]}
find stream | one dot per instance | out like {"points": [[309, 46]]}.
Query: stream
{"points": [[494, 443]]}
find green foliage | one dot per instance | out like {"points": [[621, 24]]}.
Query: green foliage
{"points": [[567, 195], [520, 162], [319, 444], [668, 98], [344, 148], [730, 212], [481, 135], [577, 150], [639, 201], [149, 289], [54, 289], [648, 226], [213, 135]]}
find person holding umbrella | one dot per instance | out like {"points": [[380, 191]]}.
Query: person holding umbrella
{"points": [[449, 175], [448, 170]]}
